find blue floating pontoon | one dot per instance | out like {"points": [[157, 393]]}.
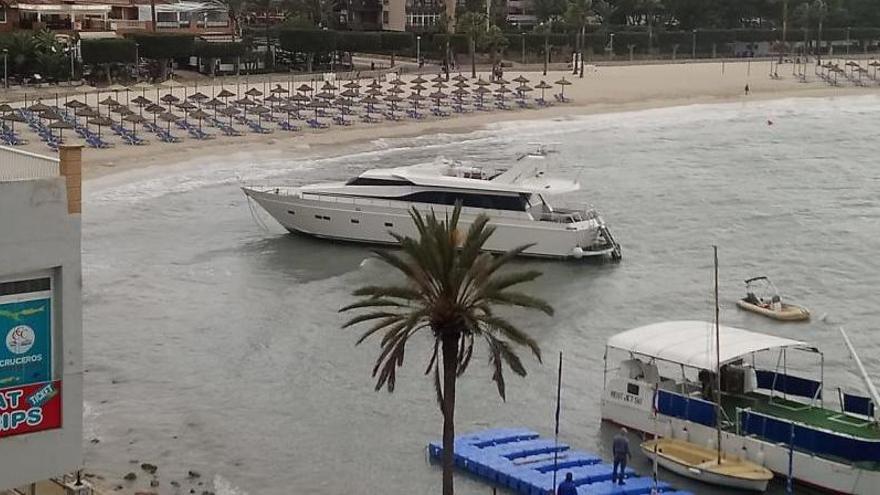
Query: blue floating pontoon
{"points": [[520, 460]]}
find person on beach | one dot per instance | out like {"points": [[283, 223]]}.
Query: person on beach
{"points": [[620, 451], [567, 487], [747, 89]]}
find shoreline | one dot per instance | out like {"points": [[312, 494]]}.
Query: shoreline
{"points": [[339, 141]]}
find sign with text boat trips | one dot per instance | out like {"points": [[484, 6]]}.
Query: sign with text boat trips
{"points": [[30, 408], [26, 346]]}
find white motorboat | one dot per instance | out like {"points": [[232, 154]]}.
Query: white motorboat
{"points": [[379, 201]]}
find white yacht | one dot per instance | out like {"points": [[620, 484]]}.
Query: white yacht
{"points": [[369, 206]]}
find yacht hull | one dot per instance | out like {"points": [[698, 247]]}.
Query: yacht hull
{"points": [[371, 221]]}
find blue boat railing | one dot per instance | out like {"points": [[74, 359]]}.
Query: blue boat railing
{"points": [[813, 440]]}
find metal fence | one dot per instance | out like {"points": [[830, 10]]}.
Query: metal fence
{"points": [[22, 165]]}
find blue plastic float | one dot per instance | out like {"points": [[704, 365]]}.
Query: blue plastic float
{"points": [[518, 459]]}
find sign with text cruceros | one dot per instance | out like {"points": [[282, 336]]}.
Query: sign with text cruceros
{"points": [[26, 345]]}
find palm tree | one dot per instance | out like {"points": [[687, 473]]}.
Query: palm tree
{"points": [[578, 14], [451, 289]]}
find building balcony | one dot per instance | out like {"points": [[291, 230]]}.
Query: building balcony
{"points": [[190, 26]]}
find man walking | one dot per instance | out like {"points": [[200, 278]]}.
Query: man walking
{"points": [[620, 451], [567, 487]]}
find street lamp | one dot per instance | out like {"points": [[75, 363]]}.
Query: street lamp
{"points": [[72, 54], [611, 46], [847, 42], [419, 50], [546, 27], [137, 60], [694, 45], [5, 73]]}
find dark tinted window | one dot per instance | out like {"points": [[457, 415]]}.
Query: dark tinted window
{"points": [[25, 286], [363, 181], [632, 389], [514, 203]]}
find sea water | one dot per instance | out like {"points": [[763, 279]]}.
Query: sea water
{"points": [[213, 340]]}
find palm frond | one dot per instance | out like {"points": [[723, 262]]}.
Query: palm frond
{"points": [[509, 331], [369, 316], [373, 302], [377, 327], [392, 291], [495, 361], [504, 281], [521, 300]]}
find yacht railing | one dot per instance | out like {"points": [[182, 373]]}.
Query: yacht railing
{"points": [[564, 215]]}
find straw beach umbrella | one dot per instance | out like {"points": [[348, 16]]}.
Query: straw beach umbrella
{"points": [[562, 84], [60, 125], [543, 86], [100, 121], [186, 106], [198, 97], [230, 112], [522, 90], [13, 117], [415, 99], [155, 110], [393, 100], [38, 107], [169, 118], [260, 110], [199, 114], [135, 120]]}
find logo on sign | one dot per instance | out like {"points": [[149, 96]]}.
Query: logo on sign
{"points": [[20, 339]]}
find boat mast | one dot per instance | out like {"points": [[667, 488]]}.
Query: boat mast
{"points": [[717, 361]]}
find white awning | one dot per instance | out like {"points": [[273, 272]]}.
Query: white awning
{"points": [[692, 343], [64, 8]]}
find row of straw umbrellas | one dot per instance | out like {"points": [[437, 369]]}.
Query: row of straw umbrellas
{"points": [[259, 103]]}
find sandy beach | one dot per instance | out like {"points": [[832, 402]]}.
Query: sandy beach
{"points": [[603, 89]]}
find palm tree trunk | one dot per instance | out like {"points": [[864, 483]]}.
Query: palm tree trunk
{"points": [[153, 15], [450, 363], [473, 46]]}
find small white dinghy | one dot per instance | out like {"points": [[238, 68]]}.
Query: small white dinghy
{"points": [[701, 464], [762, 298]]}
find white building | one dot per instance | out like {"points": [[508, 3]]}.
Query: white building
{"points": [[41, 367]]}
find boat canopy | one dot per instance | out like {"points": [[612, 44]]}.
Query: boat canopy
{"points": [[692, 343]]}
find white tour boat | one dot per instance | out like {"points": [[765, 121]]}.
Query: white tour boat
{"points": [[370, 206], [664, 382]]}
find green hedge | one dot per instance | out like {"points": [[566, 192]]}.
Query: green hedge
{"points": [[458, 43], [358, 41], [164, 45], [307, 40], [225, 49], [395, 41], [109, 51]]}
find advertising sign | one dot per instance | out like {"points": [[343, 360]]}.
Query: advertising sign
{"points": [[25, 342], [30, 408]]}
